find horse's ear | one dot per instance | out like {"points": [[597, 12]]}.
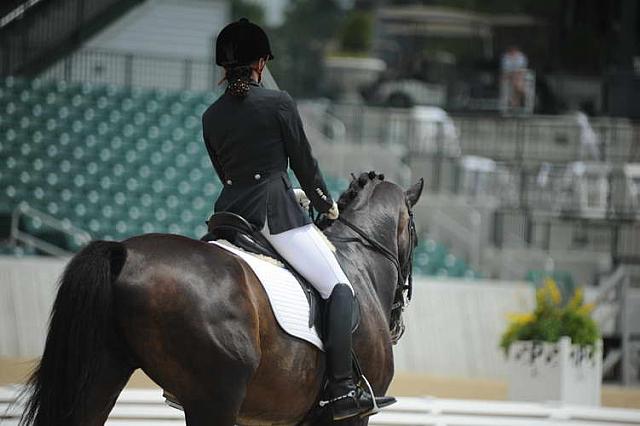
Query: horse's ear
{"points": [[414, 192]]}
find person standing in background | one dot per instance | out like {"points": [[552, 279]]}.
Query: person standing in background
{"points": [[513, 66]]}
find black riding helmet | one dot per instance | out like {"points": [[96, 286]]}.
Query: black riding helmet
{"points": [[240, 43]]}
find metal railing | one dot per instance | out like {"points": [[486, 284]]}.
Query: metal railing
{"points": [[18, 235], [613, 304], [619, 239], [134, 69], [460, 230], [513, 140]]}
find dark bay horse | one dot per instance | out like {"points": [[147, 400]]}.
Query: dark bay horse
{"points": [[197, 321]]}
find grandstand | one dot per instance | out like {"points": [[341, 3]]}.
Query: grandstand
{"points": [[116, 162], [85, 152]]}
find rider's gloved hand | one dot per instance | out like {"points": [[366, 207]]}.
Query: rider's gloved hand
{"points": [[333, 212], [302, 198]]}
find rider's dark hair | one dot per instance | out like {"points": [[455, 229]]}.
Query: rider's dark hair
{"points": [[239, 78]]}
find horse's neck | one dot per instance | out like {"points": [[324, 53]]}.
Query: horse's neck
{"points": [[366, 268]]}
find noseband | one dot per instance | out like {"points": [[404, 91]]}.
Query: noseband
{"points": [[404, 283]]}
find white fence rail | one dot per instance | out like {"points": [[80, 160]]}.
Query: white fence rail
{"points": [[145, 407]]}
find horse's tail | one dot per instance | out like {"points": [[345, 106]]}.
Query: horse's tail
{"points": [[77, 339]]}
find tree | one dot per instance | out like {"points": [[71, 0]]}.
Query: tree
{"points": [[245, 9], [299, 45], [357, 32]]}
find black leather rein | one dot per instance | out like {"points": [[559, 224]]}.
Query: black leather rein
{"points": [[399, 302]]}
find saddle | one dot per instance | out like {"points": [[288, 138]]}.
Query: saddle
{"points": [[239, 232], [236, 230]]}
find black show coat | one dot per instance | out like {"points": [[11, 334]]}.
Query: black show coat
{"points": [[251, 141]]}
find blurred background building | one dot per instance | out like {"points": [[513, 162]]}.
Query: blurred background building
{"points": [[522, 116]]}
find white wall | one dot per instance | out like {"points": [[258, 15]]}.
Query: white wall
{"points": [[150, 45], [27, 290], [453, 326], [182, 28]]}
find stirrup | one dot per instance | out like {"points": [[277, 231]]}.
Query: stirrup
{"points": [[374, 409], [172, 401]]}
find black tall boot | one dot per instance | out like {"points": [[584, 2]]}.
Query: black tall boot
{"points": [[346, 400]]}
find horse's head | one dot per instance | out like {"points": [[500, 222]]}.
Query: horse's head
{"points": [[380, 212]]}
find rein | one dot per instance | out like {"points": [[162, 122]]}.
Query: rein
{"points": [[400, 302]]}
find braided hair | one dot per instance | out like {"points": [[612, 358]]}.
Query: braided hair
{"points": [[239, 78]]}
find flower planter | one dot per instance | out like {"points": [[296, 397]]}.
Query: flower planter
{"points": [[561, 372]]}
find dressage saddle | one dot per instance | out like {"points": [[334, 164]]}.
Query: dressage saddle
{"points": [[239, 232]]}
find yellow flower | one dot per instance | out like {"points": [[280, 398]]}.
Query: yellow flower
{"points": [[577, 299], [521, 318], [586, 309], [551, 289]]}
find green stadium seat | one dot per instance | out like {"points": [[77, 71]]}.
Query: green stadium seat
{"points": [[52, 208], [118, 161], [455, 267], [95, 226], [15, 84], [133, 185]]}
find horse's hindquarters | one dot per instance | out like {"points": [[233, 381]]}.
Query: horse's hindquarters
{"points": [[200, 325], [287, 383]]}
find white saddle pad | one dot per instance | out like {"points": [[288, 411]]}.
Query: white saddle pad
{"points": [[288, 301]]}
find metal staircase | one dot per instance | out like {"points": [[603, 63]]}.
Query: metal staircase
{"points": [[34, 34], [618, 314]]}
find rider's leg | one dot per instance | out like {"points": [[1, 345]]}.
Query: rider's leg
{"points": [[309, 254]]}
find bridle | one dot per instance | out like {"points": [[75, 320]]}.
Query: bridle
{"points": [[404, 284]]}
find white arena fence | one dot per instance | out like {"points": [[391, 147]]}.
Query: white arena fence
{"points": [[137, 407], [453, 326]]}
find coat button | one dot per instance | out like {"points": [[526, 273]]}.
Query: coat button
{"points": [[229, 182], [257, 176]]}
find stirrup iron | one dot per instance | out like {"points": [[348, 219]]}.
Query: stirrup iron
{"points": [[374, 409]]}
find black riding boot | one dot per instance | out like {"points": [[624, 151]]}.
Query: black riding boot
{"points": [[346, 400]]}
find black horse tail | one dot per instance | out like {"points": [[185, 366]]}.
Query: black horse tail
{"points": [[78, 332]]}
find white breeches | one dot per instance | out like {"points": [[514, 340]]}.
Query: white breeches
{"points": [[310, 255]]}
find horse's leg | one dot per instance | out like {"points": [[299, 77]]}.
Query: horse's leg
{"points": [[214, 396], [325, 419], [112, 378], [214, 409]]}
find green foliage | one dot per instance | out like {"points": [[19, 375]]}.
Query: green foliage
{"points": [[299, 45], [246, 9], [357, 32], [552, 319]]}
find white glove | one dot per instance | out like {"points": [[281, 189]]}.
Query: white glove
{"points": [[302, 198], [333, 212]]}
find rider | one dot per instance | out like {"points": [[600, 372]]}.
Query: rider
{"points": [[252, 134]]}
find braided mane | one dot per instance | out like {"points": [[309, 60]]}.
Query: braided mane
{"points": [[356, 186], [351, 193]]}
